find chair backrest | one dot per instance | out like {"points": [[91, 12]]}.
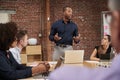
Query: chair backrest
{"points": [[74, 56], [59, 63]]}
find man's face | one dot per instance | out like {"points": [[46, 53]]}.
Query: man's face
{"points": [[68, 13], [115, 30], [24, 41]]}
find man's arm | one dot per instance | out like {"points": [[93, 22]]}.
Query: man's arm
{"points": [[76, 36], [7, 73], [52, 33]]}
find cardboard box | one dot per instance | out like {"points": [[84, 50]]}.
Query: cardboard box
{"points": [[23, 58], [33, 50]]}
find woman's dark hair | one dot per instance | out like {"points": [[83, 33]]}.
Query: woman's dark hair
{"points": [[109, 38], [100, 49], [7, 35], [21, 34]]}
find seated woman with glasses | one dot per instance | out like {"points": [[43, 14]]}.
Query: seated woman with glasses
{"points": [[104, 48], [9, 68]]}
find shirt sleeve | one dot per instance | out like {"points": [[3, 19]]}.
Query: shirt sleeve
{"points": [[52, 32], [21, 67], [75, 31], [8, 72]]}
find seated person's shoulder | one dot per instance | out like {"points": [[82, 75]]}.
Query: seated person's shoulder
{"points": [[64, 71], [12, 50], [110, 46], [1, 53]]}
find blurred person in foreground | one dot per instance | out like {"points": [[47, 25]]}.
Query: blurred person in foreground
{"points": [[9, 68], [83, 73]]}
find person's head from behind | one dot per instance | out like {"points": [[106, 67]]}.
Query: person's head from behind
{"points": [[114, 6], [67, 11], [22, 38], [8, 35], [106, 40]]}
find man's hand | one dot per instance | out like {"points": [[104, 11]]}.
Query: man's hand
{"points": [[40, 68], [46, 64], [56, 37], [77, 38]]}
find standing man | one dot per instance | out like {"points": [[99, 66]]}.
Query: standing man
{"points": [[63, 32], [22, 40]]}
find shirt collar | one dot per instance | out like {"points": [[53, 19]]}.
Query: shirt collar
{"points": [[70, 21], [18, 49]]}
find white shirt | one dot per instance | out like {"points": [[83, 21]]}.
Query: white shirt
{"points": [[16, 54]]}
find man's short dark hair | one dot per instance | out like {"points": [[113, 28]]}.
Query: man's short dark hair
{"points": [[64, 8], [7, 35], [21, 34]]}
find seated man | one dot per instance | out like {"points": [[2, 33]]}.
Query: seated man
{"points": [[82, 73], [22, 40], [9, 68]]}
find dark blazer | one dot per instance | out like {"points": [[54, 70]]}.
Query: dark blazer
{"points": [[10, 69]]}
